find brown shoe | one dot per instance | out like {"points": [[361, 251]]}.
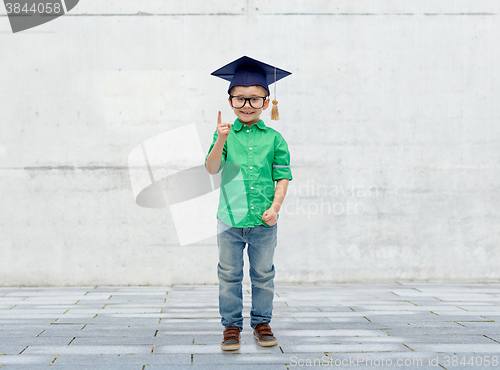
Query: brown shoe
{"points": [[264, 335], [231, 340]]}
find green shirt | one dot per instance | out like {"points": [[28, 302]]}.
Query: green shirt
{"points": [[253, 158]]}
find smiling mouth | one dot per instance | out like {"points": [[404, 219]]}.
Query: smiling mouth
{"points": [[247, 113]]}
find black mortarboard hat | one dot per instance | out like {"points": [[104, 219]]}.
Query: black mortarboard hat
{"points": [[246, 71]]}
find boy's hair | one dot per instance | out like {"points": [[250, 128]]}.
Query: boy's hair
{"points": [[231, 90]]}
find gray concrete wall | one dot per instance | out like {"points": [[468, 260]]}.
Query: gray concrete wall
{"points": [[391, 116]]}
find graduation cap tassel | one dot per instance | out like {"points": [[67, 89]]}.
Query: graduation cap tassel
{"points": [[274, 112]]}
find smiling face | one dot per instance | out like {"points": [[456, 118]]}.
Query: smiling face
{"points": [[247, 114]]}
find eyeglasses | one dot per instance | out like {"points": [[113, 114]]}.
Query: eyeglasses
{"points": [[256, 102]]}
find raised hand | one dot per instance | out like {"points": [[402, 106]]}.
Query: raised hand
{"points": [[223, 128]]}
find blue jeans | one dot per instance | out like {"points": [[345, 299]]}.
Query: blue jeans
{"points": [[261, 241]]}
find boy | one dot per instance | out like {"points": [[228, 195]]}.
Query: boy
{"points": [[252, 157]]}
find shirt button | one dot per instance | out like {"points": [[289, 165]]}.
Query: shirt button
{"points": [[251, 187], [251, 167], [252, 207], [250, 148], [248, 130]]}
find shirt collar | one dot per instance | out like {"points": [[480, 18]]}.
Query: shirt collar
{"points": [[238, 125]]}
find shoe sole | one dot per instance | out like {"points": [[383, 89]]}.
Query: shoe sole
{"points": [[230, 347], [267, 343]]}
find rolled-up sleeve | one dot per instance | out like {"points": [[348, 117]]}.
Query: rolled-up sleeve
{"points": [[281, 162], [223, 157]]}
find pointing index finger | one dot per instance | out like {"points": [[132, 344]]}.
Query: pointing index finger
{"points": [[219, 121]]}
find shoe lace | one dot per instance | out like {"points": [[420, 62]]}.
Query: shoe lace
{"points": [[231, 333]]}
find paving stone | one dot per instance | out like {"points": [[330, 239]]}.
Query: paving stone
{"points": [[465, 314], [473, 318], [193, 333], [343, 347], [370, 359], [277, 324], [444, 339], [90, 350], [26, 360], [40, 341], [351, 319], [57, 330], [419, 324], [286, 342], [450, 331], [194, 326], [95, 330], [480, 324], [455, 347], [121, 360], [403, 307], [331, 333], [113, 340], [249, 359], [20, 331], [181, 340], [122, 322]]}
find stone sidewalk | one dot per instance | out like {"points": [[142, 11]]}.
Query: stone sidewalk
{"points": [[361, 326]]}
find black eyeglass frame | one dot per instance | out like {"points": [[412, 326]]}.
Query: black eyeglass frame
{"points": [[248, 100]]}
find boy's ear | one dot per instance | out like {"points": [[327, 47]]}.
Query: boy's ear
{"points": [[266, 103], [229, 100]]}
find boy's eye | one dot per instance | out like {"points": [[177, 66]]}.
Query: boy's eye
{"points": [[240, 99], [255, 100]]}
